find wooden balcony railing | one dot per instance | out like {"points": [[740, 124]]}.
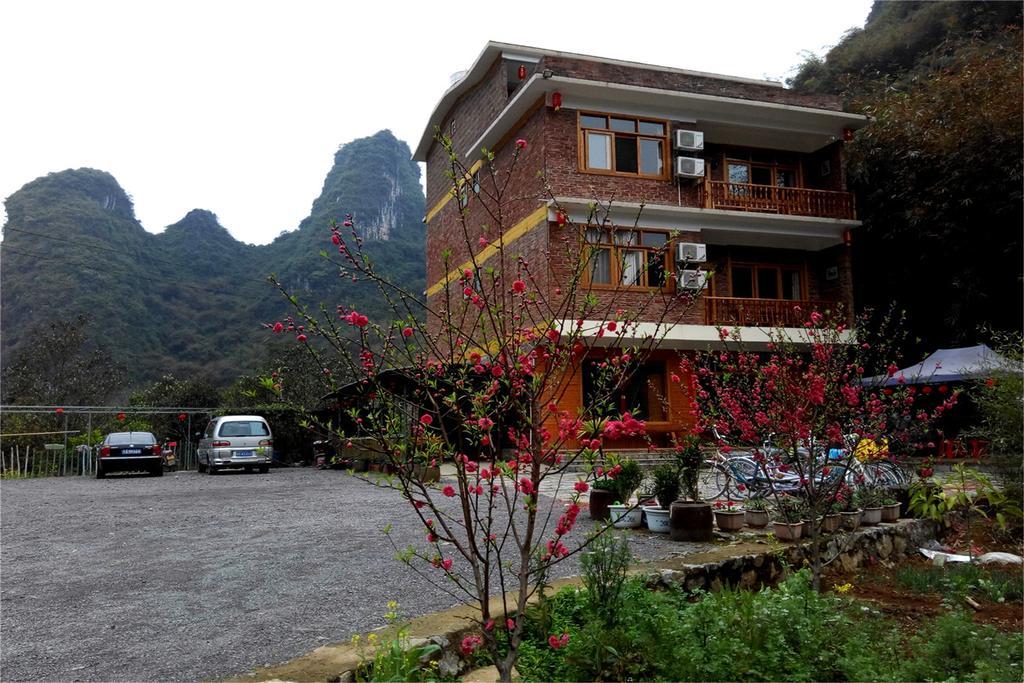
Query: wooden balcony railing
{"points": [[793, 201], [722, 310]]}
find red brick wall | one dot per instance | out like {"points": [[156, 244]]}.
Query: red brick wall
{"points": [[652, 78], [471, 114]]}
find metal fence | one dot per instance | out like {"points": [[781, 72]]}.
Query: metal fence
{"points": [[34, 459]]}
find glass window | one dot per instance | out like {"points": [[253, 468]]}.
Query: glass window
{"points": [[599, 150], [652, 128], [132, 438], [625, 154], [624, 145], [785, 177], [630, 258], [739, 173], [651, 157], [761, 175], [791, 289], [624, 125], [742, 282], [767, 283], [244, 428]]}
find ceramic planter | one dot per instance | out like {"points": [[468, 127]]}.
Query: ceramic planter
{"points": [[689, 521], [787, 532], [891, 513], [757, 519], [623, 517], [657, 519], [851, 520], [730, 520], [871, 516], [831, 523], [600, 499]]}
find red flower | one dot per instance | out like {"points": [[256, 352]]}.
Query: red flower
{"points": [[557, 643], [449, 491], [612, 325], [518, 286], [470, 644], [468, 291], [278, 327], [301, 337], [497, 370], [526, 486], [426, 419], [581, 486], [520, 143], [447, 563], [347, 223], [407, 332]]}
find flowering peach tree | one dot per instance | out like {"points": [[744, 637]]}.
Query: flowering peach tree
{"points": [[476, 375], [813, 424]]}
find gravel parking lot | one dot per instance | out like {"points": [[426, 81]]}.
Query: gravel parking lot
{"points": [[188, 576]]}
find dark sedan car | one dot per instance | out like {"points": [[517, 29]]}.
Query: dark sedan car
{"points": [[130, 452]]}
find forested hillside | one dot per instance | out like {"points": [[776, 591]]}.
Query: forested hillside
{"points": [[191, 300], [938, 173]]}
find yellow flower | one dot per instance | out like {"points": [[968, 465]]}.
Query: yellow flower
{"points": [[372, 638], [843, 588], [392, 605], [355, 639]]}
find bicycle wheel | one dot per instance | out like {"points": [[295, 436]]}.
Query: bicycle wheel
{"points": [[744, 476], [713, 480]]}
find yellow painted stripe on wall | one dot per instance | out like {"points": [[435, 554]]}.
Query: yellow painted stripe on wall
{"points": [[515, 232], [452, 191]]}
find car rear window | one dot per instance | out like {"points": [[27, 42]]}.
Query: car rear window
{"points": [[136, 438], [244, 428]]}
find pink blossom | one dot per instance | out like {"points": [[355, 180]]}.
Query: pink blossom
{"points": [[485, 423], [518, 286], [447, 563], [426, 419], [407, 332], [557, 643], [278, 327], [581, 486], [301, 337], [449, 491], [520, 143], [470, 644]]}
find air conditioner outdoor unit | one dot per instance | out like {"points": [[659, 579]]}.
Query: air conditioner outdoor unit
{"points": [[694, 279], [690, 140], [690, 252], [689, 167]]}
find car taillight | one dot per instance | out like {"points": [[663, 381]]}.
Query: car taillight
{"points": [[105, 451], [156, 450], [221, 444], [266, 442]]}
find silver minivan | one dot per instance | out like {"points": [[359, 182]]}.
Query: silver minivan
{"points": [[241, 441]]}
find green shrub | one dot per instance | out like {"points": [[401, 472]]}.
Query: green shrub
{"points": [[954, 648], [604, 566]]}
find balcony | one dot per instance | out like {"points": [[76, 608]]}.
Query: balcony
{"points": [[722, 310], [791, 201]]}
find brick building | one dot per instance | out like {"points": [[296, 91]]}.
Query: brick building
{"points": [[746, 174]]}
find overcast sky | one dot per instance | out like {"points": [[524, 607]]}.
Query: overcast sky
{"points": [[238, 107]]}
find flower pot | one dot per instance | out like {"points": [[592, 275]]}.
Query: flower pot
{"points": [[600, 499], [871, 517], [787, 532], [891, 513], [730, 520], [691, 521], [657, 519], [757, 519], [831, 523], [360, 465], [623, 517], [805, 528], [851, 520]]}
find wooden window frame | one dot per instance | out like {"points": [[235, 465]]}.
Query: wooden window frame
{"points": [[779, 269], [664, 400], [728, 157], [581, 138], [615, 266]]}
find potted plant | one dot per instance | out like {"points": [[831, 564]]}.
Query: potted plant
{"points": [[787, 523], [690, 520], [871, 503], [666, 491], [727, 517], [833, 517], [850, 512], [602, 494], [627, 475], [890, 509], [756, 512]]}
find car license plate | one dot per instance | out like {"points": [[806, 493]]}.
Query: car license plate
{"points": [[131, 451], [244, 454]]}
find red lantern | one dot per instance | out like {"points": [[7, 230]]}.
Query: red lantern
{"points": [[847, 237], [848, 134], [522, 72], [556, 100], [560, 218], [182, 417], [121, 416], [59, 411]]}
